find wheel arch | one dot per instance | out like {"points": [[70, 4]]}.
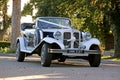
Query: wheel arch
{"points": [[53, 45], [22, 42], [93, 46], [90, 43], [52, 42]]}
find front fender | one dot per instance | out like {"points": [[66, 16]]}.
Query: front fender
{"points": [[22, 42], [52, 40], [89, 43]]}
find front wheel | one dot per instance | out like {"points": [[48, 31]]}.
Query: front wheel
{"points": [[46, 57], [94, 60], [20, 56]]}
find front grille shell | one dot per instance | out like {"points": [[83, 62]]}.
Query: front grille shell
{"points": [[67, 39]]}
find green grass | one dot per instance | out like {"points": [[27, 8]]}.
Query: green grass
{"points": [[109, 55], [6, 50], [111, 58]]}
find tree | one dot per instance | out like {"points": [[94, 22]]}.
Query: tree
{"points": [[44, 7], [6, 19], [16, 15], [96, 16], [115, 21]]}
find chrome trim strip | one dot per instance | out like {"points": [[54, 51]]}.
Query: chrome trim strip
{"points": [[73, 51]]}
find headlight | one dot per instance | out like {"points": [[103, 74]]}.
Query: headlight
{"points": [[57, 35], [87, 35]]}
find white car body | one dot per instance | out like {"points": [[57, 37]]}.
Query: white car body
{"points": [[65, 40]]}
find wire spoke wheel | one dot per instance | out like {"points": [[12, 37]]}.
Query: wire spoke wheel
{"points": [[46, 57]]}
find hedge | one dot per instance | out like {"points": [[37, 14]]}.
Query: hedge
{"points": [[4, 44]]}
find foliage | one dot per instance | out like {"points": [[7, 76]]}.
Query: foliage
{"points": [[6, 19], [96, 16], [111, 58], [27, 9], [5, 50], [87, 15], [4, 44], [5, 47], [115, 22]]}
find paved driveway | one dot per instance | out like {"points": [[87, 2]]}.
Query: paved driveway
{"points": [[77, 69]]}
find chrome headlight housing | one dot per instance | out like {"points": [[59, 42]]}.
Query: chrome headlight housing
{"points": [[87, 35], [57, 35]]}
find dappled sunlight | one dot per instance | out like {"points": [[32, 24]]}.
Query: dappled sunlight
{"points": [[70, 63], [111, 65], [71, 69], [7, 57], [13, 56], [34, 77]]}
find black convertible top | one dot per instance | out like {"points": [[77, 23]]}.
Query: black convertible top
{"points": [[26, 26]]}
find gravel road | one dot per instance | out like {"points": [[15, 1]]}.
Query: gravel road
{"points": [[77, 69]]}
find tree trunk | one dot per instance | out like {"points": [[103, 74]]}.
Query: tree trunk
{"points": [[16, 15], [108, 37], [109, 42], [115, 15], [1, 35], [117, 41]]}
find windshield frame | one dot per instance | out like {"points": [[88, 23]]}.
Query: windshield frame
{"points": [[54, 23]]}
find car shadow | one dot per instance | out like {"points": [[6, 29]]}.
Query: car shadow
{"points": [[55, 63], [77, 63]]}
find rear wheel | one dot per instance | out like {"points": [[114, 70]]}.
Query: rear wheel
{"points": [[94, 59], [20, 56], [46, 57]]}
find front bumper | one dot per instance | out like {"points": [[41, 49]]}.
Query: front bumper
{"points": [[74, 52]]}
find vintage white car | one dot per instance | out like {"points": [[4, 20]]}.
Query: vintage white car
{"points": [[54, 38]]}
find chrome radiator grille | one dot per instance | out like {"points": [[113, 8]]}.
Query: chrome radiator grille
{"points": [[76, 43], [67, 37]]}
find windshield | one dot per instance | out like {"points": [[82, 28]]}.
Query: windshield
{"points": [[54, 23]]}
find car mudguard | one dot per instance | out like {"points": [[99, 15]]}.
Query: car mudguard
{"points": [[90, 42], [52, 40], [23, 43]]}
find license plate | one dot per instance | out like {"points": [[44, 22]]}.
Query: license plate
{"points": [[75, 51]]}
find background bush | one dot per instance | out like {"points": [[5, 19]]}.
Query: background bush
{"points": [[5, 47], [4, 44]]}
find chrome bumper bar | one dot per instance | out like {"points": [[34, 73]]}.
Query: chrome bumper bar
{"points": [[74, 52]]}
